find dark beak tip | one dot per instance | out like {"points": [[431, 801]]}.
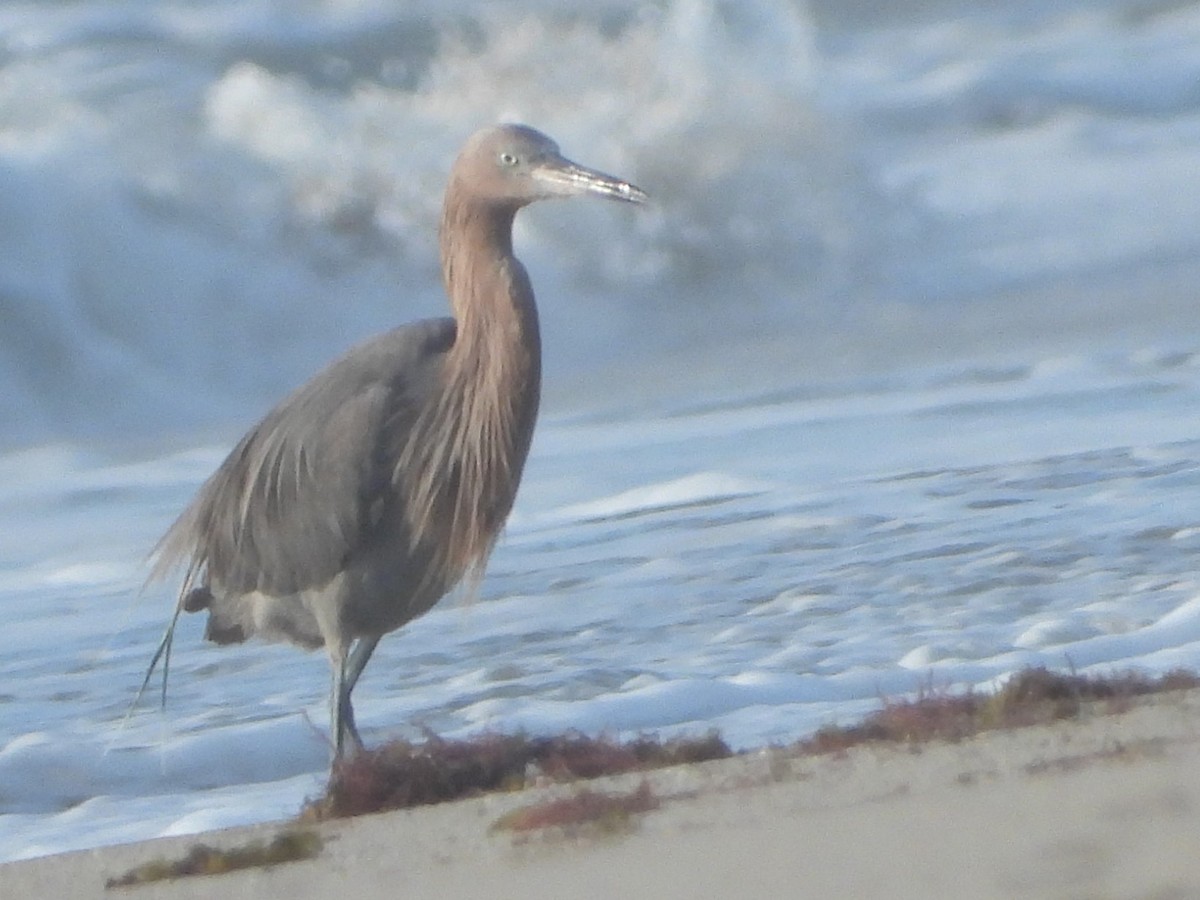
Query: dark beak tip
{"points": [[616, 189], [566, 178], [631, 193]]}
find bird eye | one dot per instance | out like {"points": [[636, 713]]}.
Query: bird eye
{"points": [[508, 159]]}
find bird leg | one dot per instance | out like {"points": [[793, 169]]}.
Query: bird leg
{"points": [[341, 718], [358, 658], [346, 673]]}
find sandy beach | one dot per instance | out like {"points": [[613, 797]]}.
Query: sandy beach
{"points": [[1106, 806]]}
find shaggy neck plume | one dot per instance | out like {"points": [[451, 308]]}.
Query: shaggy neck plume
{"points": [[493, 381]]}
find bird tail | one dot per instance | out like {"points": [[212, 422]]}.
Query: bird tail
{"points": [[163, 652]]}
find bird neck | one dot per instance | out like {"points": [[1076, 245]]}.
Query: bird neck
{"points": [[492, 377], [489, 291]]}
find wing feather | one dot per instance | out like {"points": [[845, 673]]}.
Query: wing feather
{"points": [[299, 493]]}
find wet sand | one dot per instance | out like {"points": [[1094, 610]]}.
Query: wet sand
{"points": [[1107, 806]]}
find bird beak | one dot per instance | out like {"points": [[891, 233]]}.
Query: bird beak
{"points": [[563, 178]]}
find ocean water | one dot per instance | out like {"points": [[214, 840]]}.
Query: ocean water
{"points": [[897, 381]]}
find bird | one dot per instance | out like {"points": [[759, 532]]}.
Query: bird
{"points": [[384, 482]]}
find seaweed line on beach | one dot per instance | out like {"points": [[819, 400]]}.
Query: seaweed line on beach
{"points": [[403, 774], [1032, 696], [289, 845]]}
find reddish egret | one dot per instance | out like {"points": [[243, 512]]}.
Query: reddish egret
{"points": [[385, 480]]}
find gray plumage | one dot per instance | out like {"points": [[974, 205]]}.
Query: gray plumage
{"points": [[385, 480]]}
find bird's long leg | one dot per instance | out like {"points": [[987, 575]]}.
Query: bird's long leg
{"points": [[341, 714], [346, 673], [358, 658]]}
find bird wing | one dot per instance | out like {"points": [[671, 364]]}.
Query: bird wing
{"points": [[291, 502]]}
